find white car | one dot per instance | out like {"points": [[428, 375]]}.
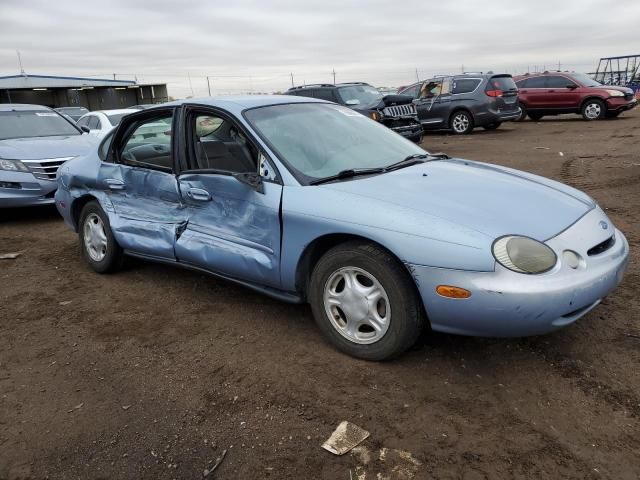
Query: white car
{"points": [[101, 122]]}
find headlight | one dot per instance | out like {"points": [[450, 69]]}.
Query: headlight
{"points": [[615, 93], [13, 165], [523, 254]]}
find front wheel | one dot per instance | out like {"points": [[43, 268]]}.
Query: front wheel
{"points": [[593, 109], [492, 126], [461, 123], [364, 302], [98, 246]]}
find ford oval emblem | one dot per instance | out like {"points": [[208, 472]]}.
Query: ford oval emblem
{"points": [[604, 224]]}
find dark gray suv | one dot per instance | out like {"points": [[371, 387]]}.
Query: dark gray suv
{"points": [[463, 102]]}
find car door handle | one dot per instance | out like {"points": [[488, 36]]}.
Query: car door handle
{"points": [[114, 184], [198, 194]]}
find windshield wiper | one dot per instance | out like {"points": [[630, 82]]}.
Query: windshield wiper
{"points": [[350, 173], [406, 162]]}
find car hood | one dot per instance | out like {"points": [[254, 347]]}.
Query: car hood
{"points": [[487, 199], [36, 148]]}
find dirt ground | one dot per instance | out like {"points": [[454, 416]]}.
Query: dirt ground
{"points": [[152, 372]]}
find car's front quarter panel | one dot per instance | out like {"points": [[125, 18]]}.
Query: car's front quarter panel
{"points": [[312, 212]]}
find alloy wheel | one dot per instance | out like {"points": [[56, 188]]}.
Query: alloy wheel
{"points": [[460, 123]]}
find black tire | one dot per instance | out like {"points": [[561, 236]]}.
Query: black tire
{"points": [[535, 116], [112, 253], [613, 114], [406, 319], [416, 138], [492, 126], [461, 122], [523, 114], [593, 109]]}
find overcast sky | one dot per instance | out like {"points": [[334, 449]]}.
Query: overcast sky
{"points": [[254, 45]]}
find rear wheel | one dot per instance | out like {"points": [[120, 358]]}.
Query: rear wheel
{"points": [[364, 302], [99, 247], [461, 122], [492, 126], [523, 114], [593, 109]]}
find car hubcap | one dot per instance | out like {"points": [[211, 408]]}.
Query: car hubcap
{"points": [[95, 239], [357, 305], [460, 123], [593, 110]]}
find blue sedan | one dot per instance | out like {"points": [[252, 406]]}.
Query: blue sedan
{"points": [[308, 201], [34, 142]]}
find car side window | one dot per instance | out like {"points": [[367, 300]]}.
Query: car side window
{"points": [[326, 94], [465, 85], [431, 89], [220, 145], [83, 122], [558, 81], [148, 144], [411, 91], [536, 82]]}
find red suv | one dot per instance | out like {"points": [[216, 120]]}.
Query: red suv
{"points": [[553, 93]]}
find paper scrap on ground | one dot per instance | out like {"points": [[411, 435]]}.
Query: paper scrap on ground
{"points": [[344, 438], [9, 256]]}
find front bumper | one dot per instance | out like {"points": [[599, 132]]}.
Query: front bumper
{"points": [[508, 304], [408, 131], [619, 104], [22, 189]]}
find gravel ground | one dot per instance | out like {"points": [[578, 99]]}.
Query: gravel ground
{"points": [[153, 372]]}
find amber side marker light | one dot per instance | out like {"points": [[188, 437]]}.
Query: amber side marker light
{"points": [[450, 291]]}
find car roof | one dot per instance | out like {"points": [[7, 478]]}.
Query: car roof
{"points": [[114, 111], [22, 107], [239, 103]]}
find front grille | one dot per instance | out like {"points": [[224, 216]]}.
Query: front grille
{"points": [[601, 247], [400, 110], [46, 168]]}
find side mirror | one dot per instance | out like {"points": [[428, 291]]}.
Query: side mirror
{"points": [[85, 129], [354, 101], [251, 179], [572, 86]]}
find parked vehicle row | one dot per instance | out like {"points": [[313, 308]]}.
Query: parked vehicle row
{"points": [[396, 112], [308, 201]]}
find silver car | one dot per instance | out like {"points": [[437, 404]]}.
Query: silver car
{"points": [[34, 142]]}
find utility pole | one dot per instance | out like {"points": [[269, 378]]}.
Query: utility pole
{"points": [[559, 66], [114, 76], [190, 85], [208, 86], [462, 69], [292, 85], [20, 62], [334, 76], [417, 77]]}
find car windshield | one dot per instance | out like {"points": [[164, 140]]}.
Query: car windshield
{"points": [[586, 80], [29, 123], [319, 140], [362, 95], [115, 118]]}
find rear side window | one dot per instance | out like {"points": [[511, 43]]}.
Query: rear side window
{"points": [[325, 94], [558, 81], [534, 82], [465, 85], [149, 144], [504, 83], [94, 123]]}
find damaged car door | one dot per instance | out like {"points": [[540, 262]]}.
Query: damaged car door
{"points": [[232, 198], [142, 187]]}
